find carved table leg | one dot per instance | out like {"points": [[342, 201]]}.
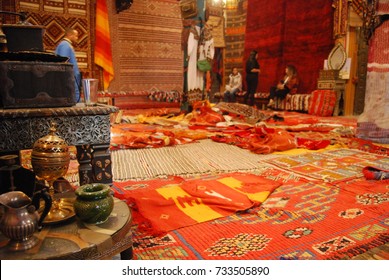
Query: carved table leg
{"points": [[102, 164], [127, 254], [95, 164], [84, 157]]}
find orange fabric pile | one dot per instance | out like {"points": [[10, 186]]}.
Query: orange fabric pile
{"points": [[204, 115], [135, 136], [281, 132], [260, 140]]}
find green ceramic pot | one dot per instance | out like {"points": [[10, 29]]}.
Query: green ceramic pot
{"points": [[94, 203]]}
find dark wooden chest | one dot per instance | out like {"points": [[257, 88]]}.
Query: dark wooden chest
{"points": [[32, 84]]}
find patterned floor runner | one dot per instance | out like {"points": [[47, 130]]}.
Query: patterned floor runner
{"points": [[331, 166]]}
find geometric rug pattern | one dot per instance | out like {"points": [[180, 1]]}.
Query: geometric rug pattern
{"points": [[302, 219], [324, 207], [331, 166], [56, 16], [147, 43]]}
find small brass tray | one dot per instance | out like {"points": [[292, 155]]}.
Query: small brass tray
{"points": [[64, 212]]}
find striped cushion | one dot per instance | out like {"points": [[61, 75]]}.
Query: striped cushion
{"points": [[299, 102], [322, 103], [294, 102]]}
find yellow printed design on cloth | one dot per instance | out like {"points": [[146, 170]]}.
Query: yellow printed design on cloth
{"points": [[237, 185], [197, 200], [207, 200], [190, 206]]}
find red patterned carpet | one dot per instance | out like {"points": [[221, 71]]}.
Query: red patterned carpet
{"points": [[322, 206], [331, 166], [332, 212]]}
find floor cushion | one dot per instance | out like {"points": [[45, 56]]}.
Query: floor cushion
{"points": [[322, 103]]}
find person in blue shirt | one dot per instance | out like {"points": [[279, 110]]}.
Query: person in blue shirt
{"points": [[65, 48]]}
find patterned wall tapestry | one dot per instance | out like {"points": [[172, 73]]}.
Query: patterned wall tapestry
{"points": [[146, 46], [6, 6], [235, 37], [58, 15], [216, 21]]}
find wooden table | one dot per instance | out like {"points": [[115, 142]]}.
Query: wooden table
{"points": [[86, 127], [76, 240]]}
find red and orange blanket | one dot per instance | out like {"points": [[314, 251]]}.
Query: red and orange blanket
{"points": [[172, 203]]}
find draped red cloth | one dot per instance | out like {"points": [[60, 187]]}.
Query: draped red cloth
{"points": [[289, 32], [165, 205], [259, 140], [103, 52]]}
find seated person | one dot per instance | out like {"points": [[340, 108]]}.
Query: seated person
{"points": [[288, 84], [234, 86]]}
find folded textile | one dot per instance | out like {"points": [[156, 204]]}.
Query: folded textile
{"points": [[161, 206], [312, 144], [374, 173]]}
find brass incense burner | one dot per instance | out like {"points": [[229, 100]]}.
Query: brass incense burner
{"points": [[50, 160]]}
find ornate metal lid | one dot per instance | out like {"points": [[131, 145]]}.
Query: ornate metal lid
{"points": [[50, 156], [51, 145]]}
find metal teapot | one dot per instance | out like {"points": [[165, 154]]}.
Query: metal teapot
{"points": [[21, 219]]}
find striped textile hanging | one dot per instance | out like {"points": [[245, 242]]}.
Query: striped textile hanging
{"points": [[103, 52]]}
